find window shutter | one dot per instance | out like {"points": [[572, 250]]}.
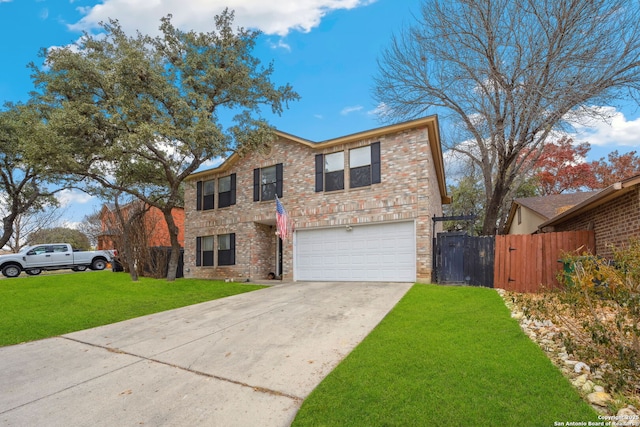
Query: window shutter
{"points": [[232, 247], [233, 189], [319, 172], [199, 195], [279, 179], [376, 177], [198, 251], [256, 185]]}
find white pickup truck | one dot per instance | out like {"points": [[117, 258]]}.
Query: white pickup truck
{"points": [[52, 256]]}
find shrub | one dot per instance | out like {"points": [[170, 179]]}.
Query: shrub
{"points": [[600, 308]]}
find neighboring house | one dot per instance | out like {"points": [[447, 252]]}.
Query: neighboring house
{"points": [[362, 208], [613, 214], [157, 231], [528, 213]]}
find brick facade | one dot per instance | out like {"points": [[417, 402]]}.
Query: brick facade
{"points": [[410, 189], [613, 222], [156, 227]]}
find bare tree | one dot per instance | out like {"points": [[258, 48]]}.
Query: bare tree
{"points": [[508, 73], [29, 223], [91, 226], [125, 223]]}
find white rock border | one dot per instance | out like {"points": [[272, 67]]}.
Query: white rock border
{"points": [[547, 335]]}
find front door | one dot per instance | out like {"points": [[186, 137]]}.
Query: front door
{"points": [[279, 257]]}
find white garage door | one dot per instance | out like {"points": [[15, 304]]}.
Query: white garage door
{"points": [[379, 252]]}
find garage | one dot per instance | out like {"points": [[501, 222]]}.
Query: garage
{"points": [[376, 252]]}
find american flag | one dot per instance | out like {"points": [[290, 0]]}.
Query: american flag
{"points": [[283, 224]]}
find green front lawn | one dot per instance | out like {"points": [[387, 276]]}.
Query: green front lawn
{"points": [[446, 356], [38, 307]]}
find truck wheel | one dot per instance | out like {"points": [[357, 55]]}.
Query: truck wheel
{"points": [[11, 270], [99, 264], [79, 268], [33, 271]]}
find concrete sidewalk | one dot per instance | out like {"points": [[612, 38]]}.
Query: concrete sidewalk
{"points": [[245, 360]]}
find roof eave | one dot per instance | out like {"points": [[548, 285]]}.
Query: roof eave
{"points": [[612, 191], [431, 122]]}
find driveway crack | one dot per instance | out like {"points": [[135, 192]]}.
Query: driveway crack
{"points": [[258, 389]]}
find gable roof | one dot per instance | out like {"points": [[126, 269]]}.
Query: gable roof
{"points": [[430, 122], [611, 192], [548, 206]]}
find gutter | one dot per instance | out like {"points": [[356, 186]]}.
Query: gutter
{"points": [[593, 201]]}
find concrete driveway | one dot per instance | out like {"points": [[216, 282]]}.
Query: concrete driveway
{"points": [[245, 360]]}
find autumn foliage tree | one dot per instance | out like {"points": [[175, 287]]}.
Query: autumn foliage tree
{"points": [[617, 168], [561, 168]]}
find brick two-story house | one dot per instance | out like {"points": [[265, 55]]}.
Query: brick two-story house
{"points": [[362, 208]]}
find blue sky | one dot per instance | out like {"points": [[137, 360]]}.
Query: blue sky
{"points": [[326, 49]]}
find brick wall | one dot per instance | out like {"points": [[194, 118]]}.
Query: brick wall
{"points": [[613, 222], [409, 191], [157, 230]]}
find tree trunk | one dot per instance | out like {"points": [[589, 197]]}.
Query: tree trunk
{"points": [[7, 229], [492, 212], [129, 259], [174, 258]]}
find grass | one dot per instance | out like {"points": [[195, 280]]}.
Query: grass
{"points": [[446, 356], [44, 306]]}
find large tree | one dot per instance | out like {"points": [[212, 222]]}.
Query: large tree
{"points": [[561, 167], [76, 238], [616, 167], [509, 72], [139, 114], [26, 189]]}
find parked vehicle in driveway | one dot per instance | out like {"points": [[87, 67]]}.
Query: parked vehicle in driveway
{"points": [[52, 256]]}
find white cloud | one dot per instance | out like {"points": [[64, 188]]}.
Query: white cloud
{"points": [[382, 111], [613, 129], [279, 45], [75, 225], [272, 17], [68, 197], [348, 110]]}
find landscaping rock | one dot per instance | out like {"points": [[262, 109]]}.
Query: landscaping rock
{"points": [[627, 417], [581, 367], [599, 398], [588, 387], [580, 381]]}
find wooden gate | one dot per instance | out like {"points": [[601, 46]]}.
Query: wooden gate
{"points": [[460, 258], [529, 262]]}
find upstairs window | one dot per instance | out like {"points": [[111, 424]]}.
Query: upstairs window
{"points": [[330, 171], [205, 193], [364, 166], [267, 183], [227, 191]]}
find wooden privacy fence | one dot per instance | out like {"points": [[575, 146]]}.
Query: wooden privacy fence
{"points": [[529, 262]]}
